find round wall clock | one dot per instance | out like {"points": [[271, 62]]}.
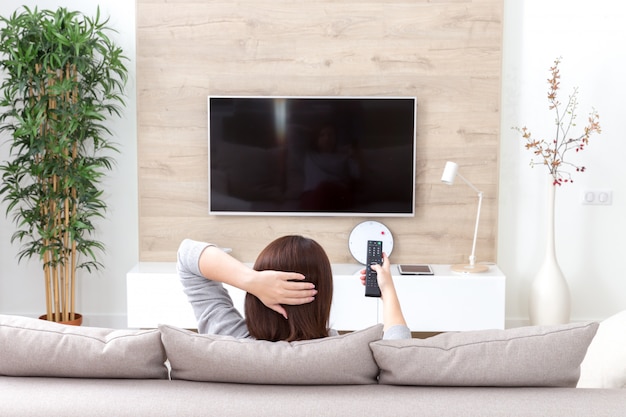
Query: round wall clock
{"points": [[365, 231]]}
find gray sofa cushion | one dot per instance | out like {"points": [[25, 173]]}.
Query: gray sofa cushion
{"points": [[524, 356], [32, 347], [345, 359]]}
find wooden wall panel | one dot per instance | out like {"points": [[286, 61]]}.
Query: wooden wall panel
{"points": [[447, 53]]}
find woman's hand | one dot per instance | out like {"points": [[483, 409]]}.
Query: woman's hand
{"points": [[383, 274], [392, 312], [274, 288]]}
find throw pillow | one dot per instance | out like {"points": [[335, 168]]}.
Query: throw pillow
{"points": [[604, 365], [525, 356], [33, 347], [344, 359]]}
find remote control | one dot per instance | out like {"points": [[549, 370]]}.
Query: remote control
{"points": [[374, 256]]}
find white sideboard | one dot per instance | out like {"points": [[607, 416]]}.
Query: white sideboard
{"points": [[445, 301]]}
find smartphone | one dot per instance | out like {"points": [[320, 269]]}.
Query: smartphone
{"points": [[415, 269]]}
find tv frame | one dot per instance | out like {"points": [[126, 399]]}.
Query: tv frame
{"points": [[258, 213]]}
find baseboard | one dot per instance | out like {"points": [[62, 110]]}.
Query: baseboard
{"points": [[510, 323], [119, 321], [112, 321]]}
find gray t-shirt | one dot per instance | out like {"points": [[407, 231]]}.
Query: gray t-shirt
{"points": [[213, 307]]}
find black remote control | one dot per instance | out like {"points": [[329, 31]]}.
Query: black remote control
{"points": [[374, 256]]}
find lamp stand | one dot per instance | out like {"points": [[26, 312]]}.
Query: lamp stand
{"points": [[450, 171], [471, 267]]}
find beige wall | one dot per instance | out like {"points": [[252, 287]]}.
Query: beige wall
{"points": [[446, 53]]}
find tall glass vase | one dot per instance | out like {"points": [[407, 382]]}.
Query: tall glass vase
{"points": [[549, 295]]}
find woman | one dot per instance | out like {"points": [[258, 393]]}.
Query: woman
{"points": [[279, 305]]}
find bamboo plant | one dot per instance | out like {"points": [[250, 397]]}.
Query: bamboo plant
{"points": [[62, 78]]}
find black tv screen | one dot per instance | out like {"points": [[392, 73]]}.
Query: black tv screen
{"points": [[317, 156]]}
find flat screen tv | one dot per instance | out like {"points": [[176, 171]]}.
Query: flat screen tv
{"points": [[313, 156]]}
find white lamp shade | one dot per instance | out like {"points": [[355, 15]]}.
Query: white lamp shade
{"points": [[449, 172]]}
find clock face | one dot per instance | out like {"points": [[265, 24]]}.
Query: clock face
{"points": [[365, 231]]}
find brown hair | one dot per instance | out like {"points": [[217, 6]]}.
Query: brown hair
{"points": [[307, 321]]}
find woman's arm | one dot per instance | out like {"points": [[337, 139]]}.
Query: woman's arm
{"points": [[392, 311], [273, 288]]}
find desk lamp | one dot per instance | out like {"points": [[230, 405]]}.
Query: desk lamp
{"points": [[450, 171]]}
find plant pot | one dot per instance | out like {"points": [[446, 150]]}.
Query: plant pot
{"points": [[78, 320]]}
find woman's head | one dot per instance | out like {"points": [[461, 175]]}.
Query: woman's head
{"points": [[307, 321]]}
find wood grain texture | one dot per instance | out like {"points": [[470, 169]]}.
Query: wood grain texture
{"points": [[446, 53]]}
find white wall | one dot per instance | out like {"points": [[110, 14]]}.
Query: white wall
{"points": [[102, 296], [590, 240]]}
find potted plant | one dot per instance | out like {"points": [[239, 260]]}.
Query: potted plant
{"points": [[62, 77]]}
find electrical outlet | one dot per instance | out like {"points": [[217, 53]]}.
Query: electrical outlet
{"points": [[597, 197]]}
